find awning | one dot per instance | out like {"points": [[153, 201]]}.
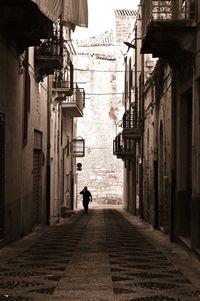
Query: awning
{"points": [[73, 12], [50, 8]]}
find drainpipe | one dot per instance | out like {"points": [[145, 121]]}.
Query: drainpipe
{"points": [[48, 185], [173, 160], [59, 116], [194, 191], [136, 111], [141, 145]]}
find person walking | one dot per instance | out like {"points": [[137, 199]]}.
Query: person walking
{"points": [[87, 197]]}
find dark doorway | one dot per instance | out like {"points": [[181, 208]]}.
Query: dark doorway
{"points": [[184, 166], [2, 173], [36, 186], [188, 158], [160, 205]]}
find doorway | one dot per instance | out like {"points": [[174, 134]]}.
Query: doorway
{"points": [[2, 173], [184, 167], [161, 205], [36, 187]]}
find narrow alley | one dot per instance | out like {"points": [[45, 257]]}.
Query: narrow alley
{"points": [[107, 254], [100, 107]]}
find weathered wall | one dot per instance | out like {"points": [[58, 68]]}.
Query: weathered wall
{"points": [[157, 151], [101, 171], [18, 203], [103, 61], [11, 107], [37, 120]]}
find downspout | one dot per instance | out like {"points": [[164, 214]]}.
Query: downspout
{"points": [[136, 112], [194, 199], [173, 160], [59, 163], [72, 171], [48, 185], [141, 146], [194, 190]]}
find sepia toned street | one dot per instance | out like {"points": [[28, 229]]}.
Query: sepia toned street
{"points": [[100, 150], [106, 254]]}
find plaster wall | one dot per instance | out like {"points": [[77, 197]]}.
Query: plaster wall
{"points": [[157, 127], [11, 107], [101, 171], [19, 157]]}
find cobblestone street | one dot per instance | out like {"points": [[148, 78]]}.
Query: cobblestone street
{"points": [[106, 254]]}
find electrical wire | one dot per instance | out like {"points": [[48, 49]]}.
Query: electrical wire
{"points": [[88, 147], [99, 94], [89, 70]]}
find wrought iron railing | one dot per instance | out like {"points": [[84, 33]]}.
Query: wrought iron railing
{"points": [[167, 10], [64, 78], [50, 47], [54, 45], [132, 120], [118, 144], [78, 97], [123, 147], [61, 84]]}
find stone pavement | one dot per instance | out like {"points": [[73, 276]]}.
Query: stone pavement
{"points": [[104, 255]]}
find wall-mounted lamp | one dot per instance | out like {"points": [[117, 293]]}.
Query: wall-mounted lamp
{"points": [[77, 147], [130, 45]]}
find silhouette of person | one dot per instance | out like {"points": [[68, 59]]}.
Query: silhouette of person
{"points": [[86, 198]]}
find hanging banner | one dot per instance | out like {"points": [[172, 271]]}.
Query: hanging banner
{"points": [[75, 13], [50, 8], [72, 12]]}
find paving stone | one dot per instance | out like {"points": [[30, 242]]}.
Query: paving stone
{"points": [[106, 255]]}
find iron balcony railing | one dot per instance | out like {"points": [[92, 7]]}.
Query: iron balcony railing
{"points": [[167, 11], [50, 47], [63, 79], [61, 84], [123, 148], [49, 55], [78, 97], [132, 124]]}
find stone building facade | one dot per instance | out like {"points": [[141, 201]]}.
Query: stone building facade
{"points": [[162, 167], [177, 206], [157, 147]]}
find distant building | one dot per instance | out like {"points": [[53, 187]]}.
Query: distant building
{"points": [[100, 63]]}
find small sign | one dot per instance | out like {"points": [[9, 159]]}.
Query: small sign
{"points": [[79, 166]]}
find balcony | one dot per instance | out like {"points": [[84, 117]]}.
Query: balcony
{"points": [[168, 30], [62, 83], [73, 105], [132, 125], [49, 56], [123, 148], [22, 24]]}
